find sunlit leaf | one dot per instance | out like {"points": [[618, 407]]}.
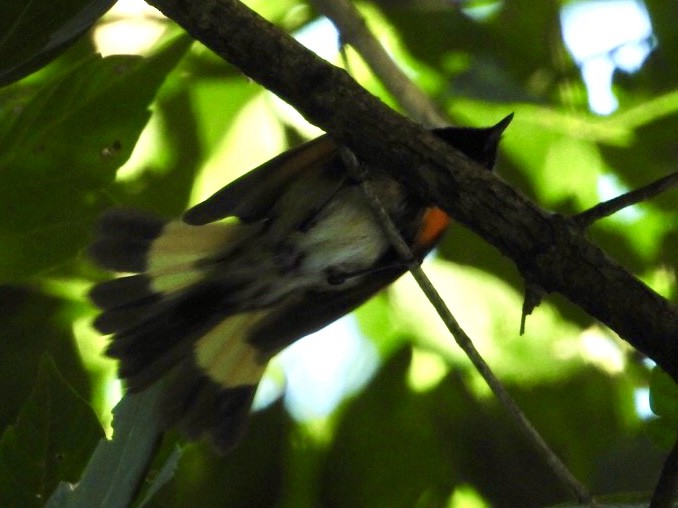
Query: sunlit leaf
{"points": [[490, 313]]}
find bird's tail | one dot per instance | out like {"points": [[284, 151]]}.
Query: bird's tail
{"points": [[172, 316]]}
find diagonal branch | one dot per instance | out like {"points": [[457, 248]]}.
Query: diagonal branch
{"points": [[461, 338], [353, 30], [550, 248]]}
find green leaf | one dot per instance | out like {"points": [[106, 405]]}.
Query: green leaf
{"points": [[118, 467], [52, 439], [164, 475], [31, 323], [253, 474], [662, 433], [387, 439], [664, 403], [663, 395], [36, 31], [64, 147]]}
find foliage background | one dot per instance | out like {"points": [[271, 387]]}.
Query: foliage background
{"points": [[423, 430]]}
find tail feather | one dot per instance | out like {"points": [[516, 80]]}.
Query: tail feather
{"points": [[173, 317], [170, 261], [139, 373], [162, 326], [212, 382], [123, 239], [121, 319], [122, 291], [198, 405], [121, 255], [124, 223], [225, 354]]}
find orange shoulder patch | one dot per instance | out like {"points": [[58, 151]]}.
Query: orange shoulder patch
{"points": [[434, 223]]}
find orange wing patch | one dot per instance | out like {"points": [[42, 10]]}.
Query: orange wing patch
{"points": [[434, 223]]}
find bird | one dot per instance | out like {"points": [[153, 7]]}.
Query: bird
{"points": [[203, 302]]}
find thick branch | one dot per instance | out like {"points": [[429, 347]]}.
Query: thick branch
{"points": [[549, 248]]}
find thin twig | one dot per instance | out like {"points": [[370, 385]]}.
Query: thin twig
{"points": [[460, 337], [607, 208], [353, 30]]}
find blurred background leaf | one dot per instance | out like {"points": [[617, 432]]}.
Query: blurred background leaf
{"points": [[52, 439], [63, 146]]}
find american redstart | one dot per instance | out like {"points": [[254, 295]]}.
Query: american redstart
{"points": [[211, 300]]}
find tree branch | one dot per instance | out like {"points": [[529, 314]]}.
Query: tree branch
{"points": [[607, 208], [551, 249], [353, 30], [464, 342]]}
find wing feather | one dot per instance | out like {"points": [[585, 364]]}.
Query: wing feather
{"points": [[251, 196]]}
